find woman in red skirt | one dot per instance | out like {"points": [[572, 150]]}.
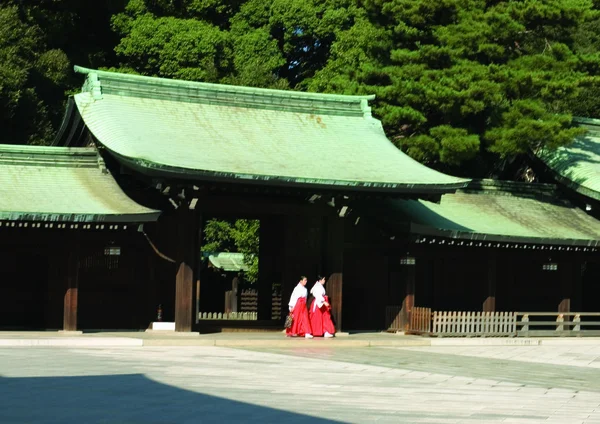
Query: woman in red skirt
{"points": [[320, 316], [300, 323]]}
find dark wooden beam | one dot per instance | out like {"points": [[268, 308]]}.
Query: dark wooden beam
{"points": [[408, 279], [335, 265], [200, 242], [577, 285], [71, 293], [270, 258], [257, 206], [565, 270], [187, 230], [183, 298], [489, 304]]}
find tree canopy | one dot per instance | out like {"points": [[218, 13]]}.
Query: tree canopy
{"points": [[460, 84]]}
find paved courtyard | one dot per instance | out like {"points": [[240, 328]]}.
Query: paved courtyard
{"points": [[303, 383]]}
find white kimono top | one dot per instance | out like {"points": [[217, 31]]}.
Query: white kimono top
{"points": [[299, 291], [318, 291]]}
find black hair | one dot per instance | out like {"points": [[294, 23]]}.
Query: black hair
{"points": [[319, 277], [302, 277]]}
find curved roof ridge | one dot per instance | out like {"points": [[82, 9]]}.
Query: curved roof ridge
{"points": [[50, 156], [489, 186], [577, 165], [106, 82], [210, 132], [62, 184]]}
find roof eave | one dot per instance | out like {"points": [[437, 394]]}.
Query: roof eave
{"points": [[425, 230], [152, 169], [79, 217], [565, 181]]}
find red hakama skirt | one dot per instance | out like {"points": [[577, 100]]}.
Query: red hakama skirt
{"points": [[300, 324], [320, 319]]}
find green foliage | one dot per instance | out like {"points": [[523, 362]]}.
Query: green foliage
{"points": [[450, 73], [266, 43], [39, 40], [174, 48], [459, 83], [23, 60], [241, 235]]}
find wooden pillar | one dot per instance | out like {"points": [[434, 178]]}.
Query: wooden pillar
{"points": [[577, 287], [188, 227], [335, 264], [71, 293], [565, 270], [198, 248], [291, 271], [438, 282], [489, 304], [408, 272], [183, 297], [270, 250]]}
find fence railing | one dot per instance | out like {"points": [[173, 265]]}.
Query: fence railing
{"points": [[244, 316], [558, 323], [495, 324], [420, 321], [449, 323], [394, 321]]}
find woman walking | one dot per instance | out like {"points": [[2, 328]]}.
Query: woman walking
{"points": [[300, 322], [320, 316]]}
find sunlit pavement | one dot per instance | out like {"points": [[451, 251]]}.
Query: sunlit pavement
{"points": [[303, 383]]}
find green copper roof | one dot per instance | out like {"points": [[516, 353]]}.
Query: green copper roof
{"points": [[578, 165], [220, 132], [227, 261], [500, 211], [62, 184]]}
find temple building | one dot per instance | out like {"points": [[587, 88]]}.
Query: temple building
{"points": [[106, 225]]}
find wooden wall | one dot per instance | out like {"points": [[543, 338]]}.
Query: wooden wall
{"points": [[114, 292]]}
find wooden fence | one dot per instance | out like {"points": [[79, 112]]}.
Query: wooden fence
{"points": [[249, 300], [448, 323], [496, 324], [394, 321], [276, 306], [420, 321], [243, 316]]}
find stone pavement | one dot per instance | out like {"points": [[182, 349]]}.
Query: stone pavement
{"points": [[554, 383]]}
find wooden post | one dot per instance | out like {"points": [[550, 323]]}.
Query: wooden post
{"points": [[335, 265], [183, 298], [270, 247], [290, 271], [188, 227], [489, 304], [576, 287], [408, 264], [565, 270], [71, 293], [196, 294]]}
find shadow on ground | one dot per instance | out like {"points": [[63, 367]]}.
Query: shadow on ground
{"points": [[129, 398]]}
